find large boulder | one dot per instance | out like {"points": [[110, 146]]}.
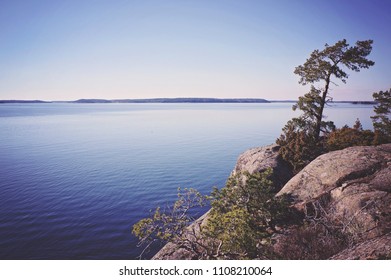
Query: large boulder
{"points": [[352, 189], [338, 169], [258, 160]]}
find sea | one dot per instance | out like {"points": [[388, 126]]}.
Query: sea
{"points": [[74, 178]]}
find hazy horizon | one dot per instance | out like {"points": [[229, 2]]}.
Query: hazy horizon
{"points": [[216, 98], [70, 50]]}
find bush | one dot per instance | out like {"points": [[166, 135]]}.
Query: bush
{"points": [[244, 214], [298, 144], [347, 137], [311, 242], [299, 147], [169, 224]]}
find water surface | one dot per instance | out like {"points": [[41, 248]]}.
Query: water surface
{"points": [[75, 177]]}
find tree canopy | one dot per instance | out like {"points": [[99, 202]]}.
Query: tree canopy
{"points": [[382, 118], [301, 138], [322, 66]]}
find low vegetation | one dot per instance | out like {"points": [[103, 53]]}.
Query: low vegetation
{"points": [[321, 235], [299, 146], [169, 224], [243, 216], [348, 137]]}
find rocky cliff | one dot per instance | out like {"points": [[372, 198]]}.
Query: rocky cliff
{"points": [[349, 191], [345, 195]]}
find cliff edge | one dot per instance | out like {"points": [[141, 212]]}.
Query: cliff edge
{"points": [[346, 192], [349, 192]]}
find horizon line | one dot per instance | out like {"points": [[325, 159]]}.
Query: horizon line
{"points": [[170, 100]]}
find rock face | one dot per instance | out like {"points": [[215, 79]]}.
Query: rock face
{"points": [[337, 169], [379, 247], [261, 158], [353, 188], [350, 188]]}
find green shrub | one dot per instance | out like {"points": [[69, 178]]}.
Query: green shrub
{"points": [[244, 214], [169, 224], [298, 144], [349, 136]]}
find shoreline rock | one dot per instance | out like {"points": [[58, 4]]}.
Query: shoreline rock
{"points": [[254, 160], [259, 159], [352, 187]]}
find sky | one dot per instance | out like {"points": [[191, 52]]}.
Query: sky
{"points": [[66, 50]]}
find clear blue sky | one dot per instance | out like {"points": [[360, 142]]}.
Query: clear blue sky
{"points": [[71, 49]]}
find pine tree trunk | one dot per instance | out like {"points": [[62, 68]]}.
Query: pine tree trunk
{"points": [[322, 104]]}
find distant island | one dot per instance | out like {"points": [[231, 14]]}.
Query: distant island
{"points": [[23, 101], [151, 100], [177, 100]]}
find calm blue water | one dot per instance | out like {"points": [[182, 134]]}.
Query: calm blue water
{"points": [[75, 177]]}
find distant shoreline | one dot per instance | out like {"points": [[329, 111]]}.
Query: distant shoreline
{"points": [[174, 100]]}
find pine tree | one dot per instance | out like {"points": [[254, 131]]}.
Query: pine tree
{"points": [[381, 120], [321, 67]]}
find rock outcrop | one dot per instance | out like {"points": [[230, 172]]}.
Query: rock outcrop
{"points": [[350, 189], [261, 158], [375, 248]]}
